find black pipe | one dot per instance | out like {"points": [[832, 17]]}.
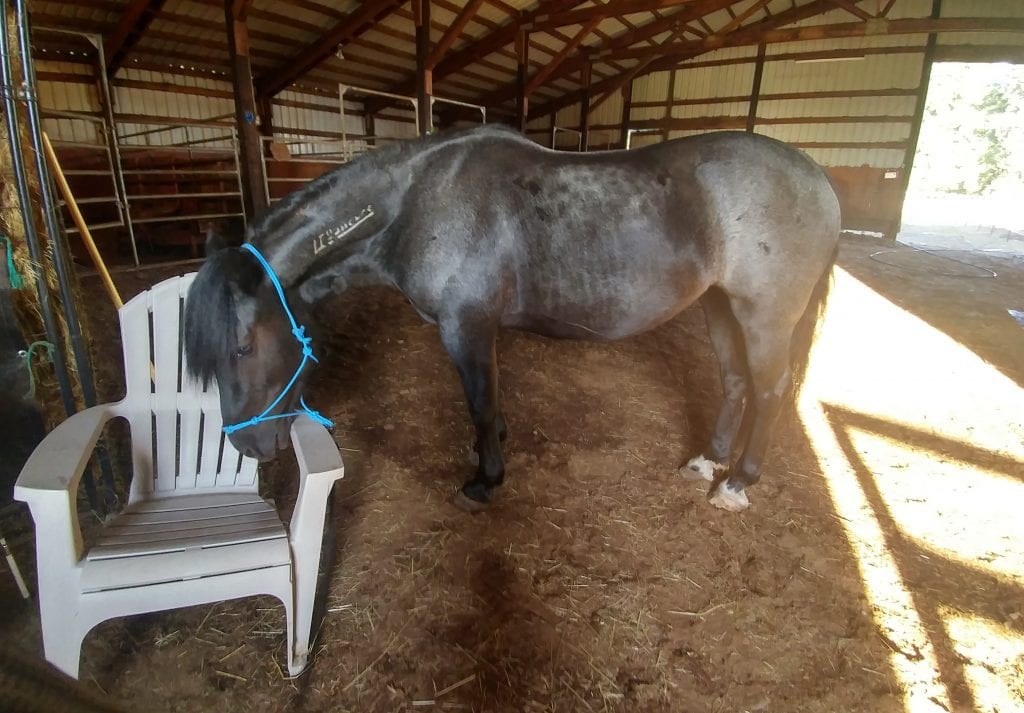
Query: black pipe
{"points": [[31, 236], [58, 238]]}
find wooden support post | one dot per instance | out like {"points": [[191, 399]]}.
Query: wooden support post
{"points": [[627, 106], [424, 74], [585, 110], [522, 65], [265, 106], [915, 127], [755, 90], [254, 199], [671, 100]]}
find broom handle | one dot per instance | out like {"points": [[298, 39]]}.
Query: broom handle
{"points": [[83, 229]]}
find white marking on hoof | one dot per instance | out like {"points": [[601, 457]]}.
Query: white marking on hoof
{"points": [[728, 499], [700, 468]]}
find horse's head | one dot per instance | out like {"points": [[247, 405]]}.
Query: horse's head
{"points": [[236, 333]]}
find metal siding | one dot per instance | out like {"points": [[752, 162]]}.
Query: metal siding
{"points": [[610, 112], [980, 8]]}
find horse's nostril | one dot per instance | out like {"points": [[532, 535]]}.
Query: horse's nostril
{"points": [[249, 452]]}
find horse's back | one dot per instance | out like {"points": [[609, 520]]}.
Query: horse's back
{"points": [[607, 244]]}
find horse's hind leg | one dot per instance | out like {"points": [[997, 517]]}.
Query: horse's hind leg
{"points": [[766, 340], [471, 347], [727, 341]]}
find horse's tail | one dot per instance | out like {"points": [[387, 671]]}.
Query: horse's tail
{"points": [[807, 328]]}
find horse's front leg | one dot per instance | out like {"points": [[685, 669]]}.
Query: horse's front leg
{"points": [[471, 346]]}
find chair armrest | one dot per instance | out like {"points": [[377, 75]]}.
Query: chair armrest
{"points": [[320, 465], [49, 482], [315, 449], [57, 463]]}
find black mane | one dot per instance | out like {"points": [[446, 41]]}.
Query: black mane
{"points": [[210, 312]]}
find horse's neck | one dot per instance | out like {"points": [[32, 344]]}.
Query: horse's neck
{"points": [[319, 240]]}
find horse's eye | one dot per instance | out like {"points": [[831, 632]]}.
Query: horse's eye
{"points": [[244, 350]]}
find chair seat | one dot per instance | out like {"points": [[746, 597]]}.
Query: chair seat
{"points": [[186, 537]]}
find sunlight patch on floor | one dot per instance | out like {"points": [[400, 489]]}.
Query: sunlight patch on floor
{"points": [[996, 674], [921, 442]]}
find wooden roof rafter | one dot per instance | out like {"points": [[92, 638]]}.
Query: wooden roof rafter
{"points": [[133, 23], [356, 23], [674, 23], [656, 60]]}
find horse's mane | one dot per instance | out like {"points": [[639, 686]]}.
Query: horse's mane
{"points": [[210, 311], [382, 158]]}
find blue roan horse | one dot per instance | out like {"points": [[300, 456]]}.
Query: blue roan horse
{"points": [[483, 229]]}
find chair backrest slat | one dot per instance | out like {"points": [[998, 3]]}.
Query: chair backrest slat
{"points": [[170, 413]]}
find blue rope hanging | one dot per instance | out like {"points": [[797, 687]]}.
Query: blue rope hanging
{"points": [[12, 272]]}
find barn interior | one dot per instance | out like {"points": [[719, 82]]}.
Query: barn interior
{"points": [[880, 567]]}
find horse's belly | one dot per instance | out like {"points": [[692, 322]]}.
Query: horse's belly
{"points": [[631, 308]]}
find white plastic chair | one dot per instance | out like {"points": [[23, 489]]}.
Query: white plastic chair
{"points": [[194, 529]]}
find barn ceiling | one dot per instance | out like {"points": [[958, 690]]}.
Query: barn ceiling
{"points": [[317, 44], [314, 45]]}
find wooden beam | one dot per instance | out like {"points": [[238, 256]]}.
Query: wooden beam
{"points": [[570, 47], [484, 46], [755, 90], [522, 66], [627, 109], [654, 62], [915, 126], [675, 22], [453, 32], [355, 24], [743, 16], [133, 23], [240, 9], [616, 8], [852, 9], [909, 26], [250, 159], [424, 80], [585, 110]]}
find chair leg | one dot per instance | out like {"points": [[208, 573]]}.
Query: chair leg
{"points": [[62, 639], [296, 643]]}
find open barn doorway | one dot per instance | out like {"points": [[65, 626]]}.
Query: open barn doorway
{"points": [[968, 175]]}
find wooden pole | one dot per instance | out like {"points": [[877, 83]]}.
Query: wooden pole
{"points": [[424, 74], [83, 229], [915, 127], [585, 110], [254, 198], [627, 108], [522, 66], [755, 91]]}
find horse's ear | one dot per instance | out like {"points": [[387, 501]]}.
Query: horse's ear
{"points": [[215, 242]]}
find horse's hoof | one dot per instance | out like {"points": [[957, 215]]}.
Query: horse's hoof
{"points": [[700, 468], [467, 504], [728, 499]]}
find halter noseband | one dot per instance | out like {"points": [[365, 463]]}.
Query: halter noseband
{"points": [[299, 332]]}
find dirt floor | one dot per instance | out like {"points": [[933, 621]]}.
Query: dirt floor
{"points": [[880, 567]]}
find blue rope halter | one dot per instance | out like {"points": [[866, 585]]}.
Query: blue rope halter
{"points": [[307, 354]]}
